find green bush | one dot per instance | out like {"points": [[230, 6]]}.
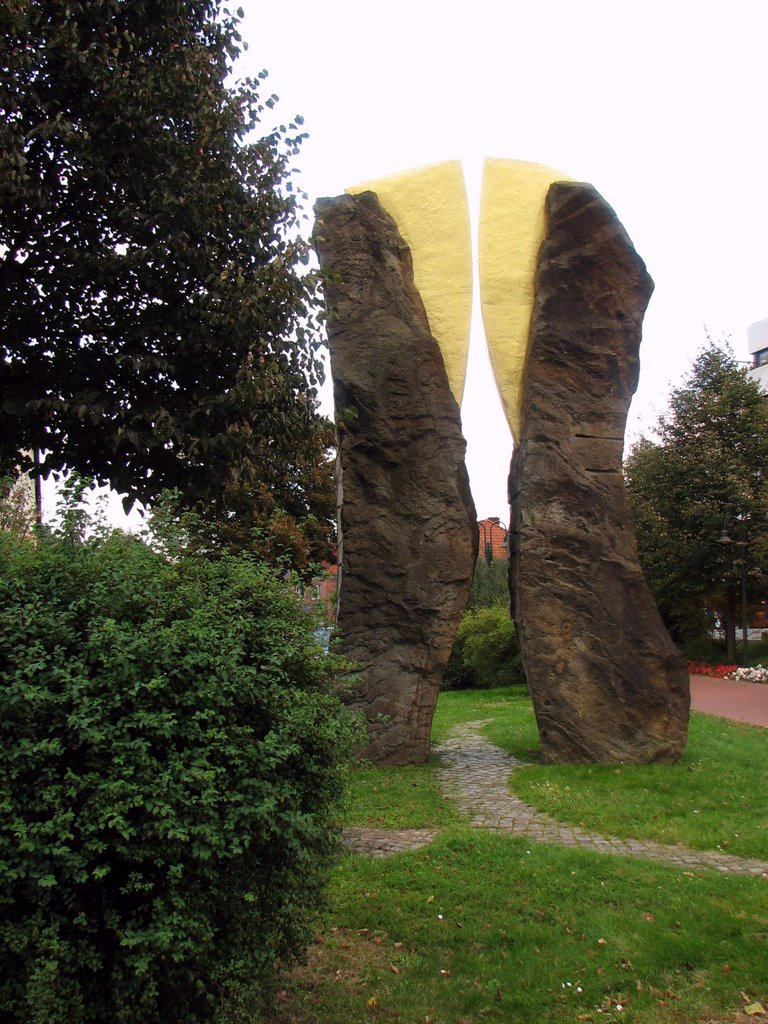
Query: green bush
{"points": [[485, 652], [704, 648], [757, 648], [171, 766]]}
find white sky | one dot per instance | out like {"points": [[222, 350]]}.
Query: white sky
{"points": [[660, 104]]}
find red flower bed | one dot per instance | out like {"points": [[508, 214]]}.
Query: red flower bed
{"points": [[699, 668]]}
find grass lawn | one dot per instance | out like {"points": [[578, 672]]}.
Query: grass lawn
{"points": [[397, 798], [483, 927]]}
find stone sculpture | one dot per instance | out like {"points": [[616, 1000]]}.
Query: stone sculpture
{"points": [[407, 523], [607, 683], [563, 296]]}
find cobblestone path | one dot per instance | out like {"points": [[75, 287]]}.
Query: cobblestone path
{"points": [[474, 773]]}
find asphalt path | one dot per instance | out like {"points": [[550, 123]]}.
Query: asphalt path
{"points": [[741, 702]]}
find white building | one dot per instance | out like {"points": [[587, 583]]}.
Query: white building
{"points": [[757, 340]]}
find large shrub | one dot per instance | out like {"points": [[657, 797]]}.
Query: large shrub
{"points": [[170, 767], [485, 652]]}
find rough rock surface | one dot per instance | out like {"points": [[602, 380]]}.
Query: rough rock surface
{"points": [[407, 523], [607, 683]]}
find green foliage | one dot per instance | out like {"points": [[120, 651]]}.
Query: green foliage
{"points": [[704, 648], [705, 474], [157, 323], [170, 782], [288, 518], [485, 652], [490, 584], [758, 650]]}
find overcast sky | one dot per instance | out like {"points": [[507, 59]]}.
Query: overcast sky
{"points": [[660, 105]]}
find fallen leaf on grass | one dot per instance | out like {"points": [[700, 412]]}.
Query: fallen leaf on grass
{"points": [[754, 1008]]}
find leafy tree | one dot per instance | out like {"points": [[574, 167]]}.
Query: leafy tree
{"points": [[705, 474], [300, 495], [156, 320]]}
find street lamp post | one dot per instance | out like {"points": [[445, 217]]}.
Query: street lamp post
{"points": [[486, 526]]}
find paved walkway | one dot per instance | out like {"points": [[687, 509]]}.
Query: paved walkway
{"points": [[475, 774], [741, 702]]}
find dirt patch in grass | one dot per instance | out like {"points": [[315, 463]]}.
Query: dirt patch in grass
{"points": [[340, 968], [739, 1017]]}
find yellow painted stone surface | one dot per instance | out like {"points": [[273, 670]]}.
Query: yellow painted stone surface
{"points": [[429, 206], [511, 231]]}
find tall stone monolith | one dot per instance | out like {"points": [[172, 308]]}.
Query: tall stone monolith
{"points": [[407, 524], [607, 683]]}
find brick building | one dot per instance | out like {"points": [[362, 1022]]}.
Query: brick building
{"points": [[493, 540]]}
